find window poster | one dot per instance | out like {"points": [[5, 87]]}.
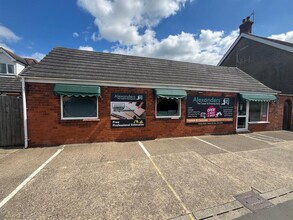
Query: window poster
{"points": [[209, 110], [128, 110]]}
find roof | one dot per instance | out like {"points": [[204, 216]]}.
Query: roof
{"points": [[10, 84], [283, 45], [25, 61], [106, 69]]}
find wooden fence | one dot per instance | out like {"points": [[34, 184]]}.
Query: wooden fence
{"points": [[11, 121]]}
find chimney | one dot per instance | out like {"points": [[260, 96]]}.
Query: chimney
{"points": [[246, 26]]}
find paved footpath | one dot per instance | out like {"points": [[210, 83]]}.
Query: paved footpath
{"points": [[282, 211]]}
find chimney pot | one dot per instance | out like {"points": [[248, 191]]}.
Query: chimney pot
{"points": [[246, 26]]}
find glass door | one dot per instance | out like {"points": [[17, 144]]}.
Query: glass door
{"points": [[242, 116]]}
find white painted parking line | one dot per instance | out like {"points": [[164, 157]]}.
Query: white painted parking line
{"points": [[254, 138], [270, 138], [14, 192], [263, 138], [189, 213], [213, 145]]}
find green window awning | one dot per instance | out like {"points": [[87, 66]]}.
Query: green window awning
{"points": [[170, 93], [76, 90], [258, 97]]}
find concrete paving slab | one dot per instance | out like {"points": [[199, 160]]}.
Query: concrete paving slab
{"points": [[283, 198], [218, 210], [278, 158], [277, 193], [284, 135], [252, 172], [282, 211], [235, 143], [7, 150], [16, 167], [177, 145], [184, 217], [3, 155], [127, 189], [199, 183], [78, 154]]}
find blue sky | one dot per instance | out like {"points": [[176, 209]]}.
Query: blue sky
{"points": [[194, 31]]}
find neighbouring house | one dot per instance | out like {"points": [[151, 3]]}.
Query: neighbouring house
{"points": [[267, 60], [11, 120], [75, 96], [10, 66]]}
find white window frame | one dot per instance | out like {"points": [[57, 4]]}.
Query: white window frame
{"points": [[78, 118], [14, 68], [259, 122], [171, 117]]}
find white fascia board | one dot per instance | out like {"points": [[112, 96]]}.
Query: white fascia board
{"points": [[257, 39], [133, 85]]}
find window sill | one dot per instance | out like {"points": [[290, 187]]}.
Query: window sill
{"points": [[80, 119], [259, 122], [167, 117]]}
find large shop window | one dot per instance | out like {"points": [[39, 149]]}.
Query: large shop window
{"points": [[78, 101], [168, 108], [79, 107], [258, 105], [168, 102], [258, 111]]}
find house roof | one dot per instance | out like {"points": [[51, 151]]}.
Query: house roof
{"points": [[25, 61], [10, 84], [283, 45], [106, 69]]}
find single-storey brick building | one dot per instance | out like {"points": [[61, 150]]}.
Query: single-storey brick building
{"points": [[75, 96]]}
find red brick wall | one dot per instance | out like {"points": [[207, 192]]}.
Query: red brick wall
{"points": [[45, 126], [275, 116]]}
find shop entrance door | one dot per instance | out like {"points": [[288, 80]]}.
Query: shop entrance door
{"points": [[242, 115]]}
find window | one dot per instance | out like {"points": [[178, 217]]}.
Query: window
{"points": [[6, 68], [3, 68], [79, 107], [10, 68], [168, 108], [258, 111]]}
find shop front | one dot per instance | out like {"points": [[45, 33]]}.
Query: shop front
{"points": [[75, 96], [253, 109]]}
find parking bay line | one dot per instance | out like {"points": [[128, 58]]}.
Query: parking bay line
{"points": [[166, 181], [17, 189]]}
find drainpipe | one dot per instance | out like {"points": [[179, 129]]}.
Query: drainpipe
{"points": [[24, 112]]}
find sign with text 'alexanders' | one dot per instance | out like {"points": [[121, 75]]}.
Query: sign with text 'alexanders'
{"points": [[209, 110], [128, 110]]}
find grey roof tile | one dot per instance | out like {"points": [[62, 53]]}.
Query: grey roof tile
{"points": [[10, 84], [68, 64]]}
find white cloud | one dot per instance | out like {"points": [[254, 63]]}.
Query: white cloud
{"points": [[208, 48], [88, 48], [130, 22], [288, 36], [6, 47], [38, 56], [95, 37], [7, 35], [75, 34]]}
